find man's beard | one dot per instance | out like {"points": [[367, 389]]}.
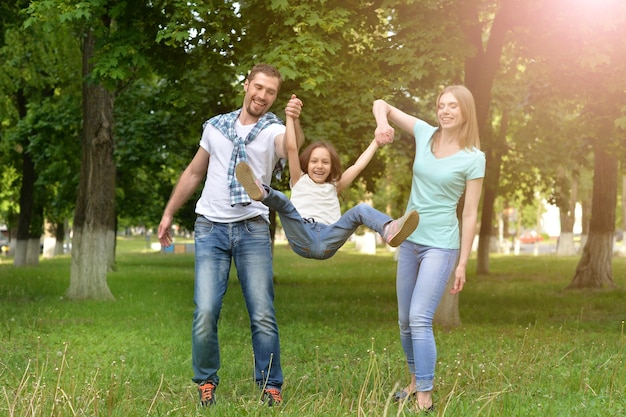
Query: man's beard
{"points": [[251, 112]]}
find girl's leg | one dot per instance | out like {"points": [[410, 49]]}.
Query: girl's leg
{"points": [[363, 214], [338, 233], [299, 233]]}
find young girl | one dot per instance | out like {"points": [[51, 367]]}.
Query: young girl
{"points": [[312, 220]]}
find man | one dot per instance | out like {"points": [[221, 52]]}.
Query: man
{"points": [[230, 226]]}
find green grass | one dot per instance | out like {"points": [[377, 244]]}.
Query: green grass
{"points": [[526, 346]]}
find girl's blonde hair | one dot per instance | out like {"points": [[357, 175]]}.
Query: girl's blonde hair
{"points": [[469, 131]]}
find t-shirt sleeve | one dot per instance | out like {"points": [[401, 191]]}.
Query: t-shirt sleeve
{"points": [[205, 138], [477, 167], [422, 130]]}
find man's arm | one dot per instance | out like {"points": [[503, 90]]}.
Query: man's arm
{"points": [[187, 184]]}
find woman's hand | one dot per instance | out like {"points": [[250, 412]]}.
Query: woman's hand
{"points": [[459, 280]]}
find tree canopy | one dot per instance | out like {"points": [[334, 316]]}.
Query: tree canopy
{"points": [[548, 78]]}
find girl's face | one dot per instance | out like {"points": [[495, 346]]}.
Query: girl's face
{"points": [[319, 165], [449, 112]]}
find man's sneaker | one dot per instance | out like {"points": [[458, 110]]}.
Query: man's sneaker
{"points": [[246, 178], [398, 230], [207, 393], [272, 396]]}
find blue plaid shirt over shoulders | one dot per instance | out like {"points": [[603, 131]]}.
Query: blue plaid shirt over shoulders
{"points": [[225, 123]]}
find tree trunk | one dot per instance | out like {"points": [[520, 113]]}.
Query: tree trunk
{"points": [[480, 73], [27, 221], [585, 217], [447, 314], [623, 244], [567, 217], [484, 240], [21, 255], [623, 202], [94, 216], [59, 236], [490, 192], [594, 267]]}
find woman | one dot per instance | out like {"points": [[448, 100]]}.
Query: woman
{"points": [[447, 163]]}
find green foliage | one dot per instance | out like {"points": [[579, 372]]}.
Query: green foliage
{"points": [[175, 63], [166, 86], [55, 144], [526, 346], [8, 197], [41, 115]]}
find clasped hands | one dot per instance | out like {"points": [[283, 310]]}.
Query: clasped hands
{"points": [[384, 135]]}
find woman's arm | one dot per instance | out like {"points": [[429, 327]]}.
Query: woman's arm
{"points": [[384, 113], [352, 172], [468, 231]]}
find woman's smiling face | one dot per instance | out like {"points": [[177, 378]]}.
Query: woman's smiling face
{"points": [[449, 112]]}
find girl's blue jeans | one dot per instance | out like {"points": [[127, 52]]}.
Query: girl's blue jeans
{"points": [[248, 244], [310, 239], [421, 279]]}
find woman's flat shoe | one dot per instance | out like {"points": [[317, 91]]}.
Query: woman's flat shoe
{"points": [[402, 395], [428, 410]]}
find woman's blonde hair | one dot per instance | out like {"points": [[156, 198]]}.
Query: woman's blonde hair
{"points": [[469, 131]]}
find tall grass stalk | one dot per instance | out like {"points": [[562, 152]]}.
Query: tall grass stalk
{"points": [[526, 346]]}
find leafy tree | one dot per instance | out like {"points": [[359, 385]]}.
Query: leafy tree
{"points": [[55, 144], [35, 73], [123, 41], [161, 68], [585, 49], [481, 70]]}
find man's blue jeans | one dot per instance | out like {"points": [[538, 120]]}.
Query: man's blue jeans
{"points": [[310, 239], [248, 244], [421, 280]]}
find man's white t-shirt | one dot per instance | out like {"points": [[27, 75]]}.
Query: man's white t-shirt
{"points": [[214, 203]]}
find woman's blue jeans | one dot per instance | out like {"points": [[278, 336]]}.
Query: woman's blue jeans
{"points": [[310, 239], [248, 244], [421, 280]]}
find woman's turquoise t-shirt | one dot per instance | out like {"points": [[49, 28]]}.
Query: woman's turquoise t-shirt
{"points": [[437, 187]]}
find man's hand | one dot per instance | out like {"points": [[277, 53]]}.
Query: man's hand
{"points": [[164, 231], [294, 107]]}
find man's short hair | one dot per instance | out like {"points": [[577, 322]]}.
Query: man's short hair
{"points": [[266, 69]]}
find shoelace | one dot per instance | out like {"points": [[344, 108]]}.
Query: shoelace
{"points": [[275, 394], [206, 392]]}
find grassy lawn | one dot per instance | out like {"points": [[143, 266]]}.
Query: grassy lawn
{"points": [[526, 347]]}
